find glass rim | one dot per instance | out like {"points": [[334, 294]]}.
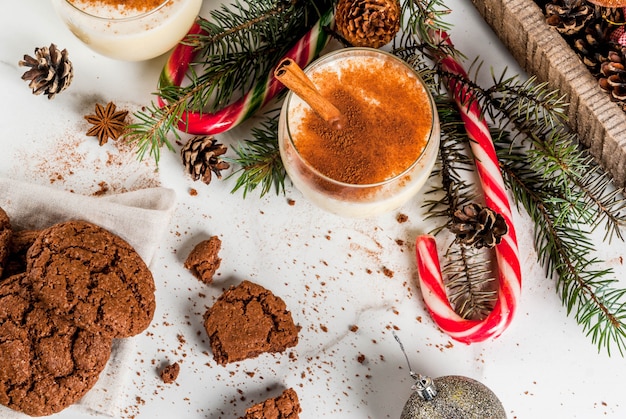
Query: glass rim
{"points": [[73, 5], [371, 51]]}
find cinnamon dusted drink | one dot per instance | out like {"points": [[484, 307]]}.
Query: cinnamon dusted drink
{"points": [[130, 30], [385, 151]]}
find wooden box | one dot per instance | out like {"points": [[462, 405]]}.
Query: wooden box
{"points": [[541, 51]]}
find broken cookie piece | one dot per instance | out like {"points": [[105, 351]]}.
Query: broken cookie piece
{"points": [[169, 374], [203, 261], [285, 406], [246, 321]]}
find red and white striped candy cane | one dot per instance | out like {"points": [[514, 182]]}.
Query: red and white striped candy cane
{"points": [[509, 272], [263, 91]]}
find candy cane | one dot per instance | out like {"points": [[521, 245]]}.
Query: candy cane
{"points": [[263, 91], [509, 272]]}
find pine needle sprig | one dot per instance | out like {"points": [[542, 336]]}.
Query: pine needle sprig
{"points": [[469, 282], [565, 250], [242, 42], [556, 153], [420, 19], [535, 116], [259, 160], [550, 176], [152, 129], [452, 167], [467, 275]]}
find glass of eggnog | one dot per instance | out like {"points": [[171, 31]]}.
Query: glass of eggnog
{"points": [[387, 147], [129, 30]]}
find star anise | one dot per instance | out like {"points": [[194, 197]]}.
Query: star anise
{"points": [[107, 123]]}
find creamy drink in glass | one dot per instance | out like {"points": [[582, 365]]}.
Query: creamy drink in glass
{"points": [[130, 30], [385, 152]]}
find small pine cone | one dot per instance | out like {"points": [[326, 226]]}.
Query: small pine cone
{"points": [[613, 75], [368, 23], [478, 226], [201, 156], [593, 45], [50, 71], [569, 17]]}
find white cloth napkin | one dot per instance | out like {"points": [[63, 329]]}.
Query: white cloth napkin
{"points": [[140, 217]]}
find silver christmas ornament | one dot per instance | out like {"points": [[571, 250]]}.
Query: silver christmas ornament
{"points": [[455, 397], [450, 397]]}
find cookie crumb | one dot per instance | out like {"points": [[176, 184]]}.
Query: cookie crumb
{"points": [[402, 218], [169, 374], [354, 328], [203, 261]]}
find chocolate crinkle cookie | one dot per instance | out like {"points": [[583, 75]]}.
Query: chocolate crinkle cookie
{"points": [[285, 406], [93, 278], [203, 261], [5, 239], [246, 321], [47, 362]]}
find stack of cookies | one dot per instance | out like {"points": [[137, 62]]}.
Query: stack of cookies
{"points": [[65, 293]]}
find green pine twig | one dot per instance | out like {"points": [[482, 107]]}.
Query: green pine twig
{"points": [[243, 41], [259, 160]]}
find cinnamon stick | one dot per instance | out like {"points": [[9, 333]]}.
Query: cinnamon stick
{"points": [[289, 73]]}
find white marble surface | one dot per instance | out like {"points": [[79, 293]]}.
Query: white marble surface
{"points": [[329, 270]]}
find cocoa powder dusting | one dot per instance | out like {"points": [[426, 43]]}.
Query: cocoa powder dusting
{"points": [[389, 119]]}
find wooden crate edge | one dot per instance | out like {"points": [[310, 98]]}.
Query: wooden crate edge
{"points": [[542, 52]]}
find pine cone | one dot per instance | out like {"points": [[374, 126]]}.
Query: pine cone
{"points": [[368, 23], [613, 75], [201, 156], [568, 17], [50, 70], [593, 45], [478, 226]]}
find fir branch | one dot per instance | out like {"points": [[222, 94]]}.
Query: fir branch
{"points": [[468, 278], [564, 249], [243, 42], [469, 282], [539, 122], [535, 115], [555, 181], [260, 160], [453, 163], [420, 19]]}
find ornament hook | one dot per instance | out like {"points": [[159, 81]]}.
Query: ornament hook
{"points": [[424, 386]]}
